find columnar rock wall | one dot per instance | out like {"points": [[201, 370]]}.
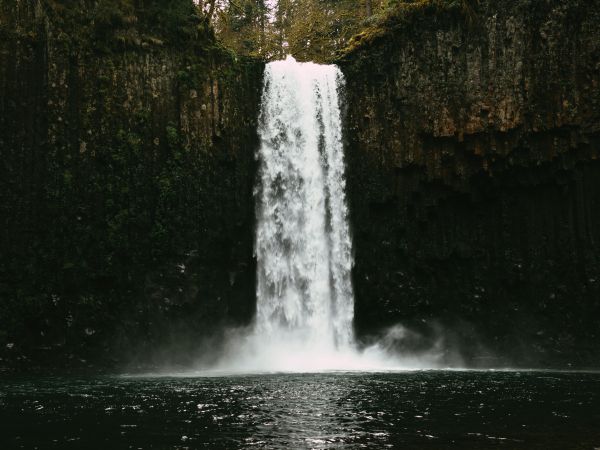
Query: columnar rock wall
{"points": [[474, 178], [126, 178]]}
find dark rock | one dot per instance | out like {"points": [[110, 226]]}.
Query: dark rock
{"points": [[474, 177], [119, 163]]}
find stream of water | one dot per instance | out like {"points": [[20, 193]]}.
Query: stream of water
{"points": [[305, 303], [304, 295]]}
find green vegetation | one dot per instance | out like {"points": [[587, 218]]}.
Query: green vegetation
{"points": [[317, 29], [395, 12], [119, 24], [307, 29]]}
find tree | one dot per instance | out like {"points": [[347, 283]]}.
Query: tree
{"points": [[242, 25], [307, 29], [207, 8]]}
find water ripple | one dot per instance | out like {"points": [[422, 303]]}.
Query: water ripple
{"points": [[321, 411]]}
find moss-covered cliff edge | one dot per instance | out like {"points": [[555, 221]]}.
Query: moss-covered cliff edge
{"points": [[126, 176], [474, 178]]}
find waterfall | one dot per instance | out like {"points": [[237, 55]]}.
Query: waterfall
{"points": [[305, 300], [303, 245]]}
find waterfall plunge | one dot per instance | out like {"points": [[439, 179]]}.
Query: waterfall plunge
{"points": [[305, 302], [303, 245]]}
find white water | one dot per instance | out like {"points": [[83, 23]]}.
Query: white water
{"points": [[305, 301], [303, 245]]}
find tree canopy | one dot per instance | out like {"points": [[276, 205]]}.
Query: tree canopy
{"points": [[307, 29]]}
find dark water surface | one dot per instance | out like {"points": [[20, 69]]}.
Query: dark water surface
{"points": [[415, 410]]}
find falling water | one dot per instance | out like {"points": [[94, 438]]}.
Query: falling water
{"points": [[303, 244], [305, 300]]}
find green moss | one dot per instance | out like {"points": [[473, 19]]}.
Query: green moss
{"points": [[117, 25], [173, 138], [400, 13]]}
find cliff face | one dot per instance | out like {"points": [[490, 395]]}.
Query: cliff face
{"points": [[127, 168], [474, 178], [126, 176]]}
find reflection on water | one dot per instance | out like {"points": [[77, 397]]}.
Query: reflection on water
{"points": [[358, 410]]}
